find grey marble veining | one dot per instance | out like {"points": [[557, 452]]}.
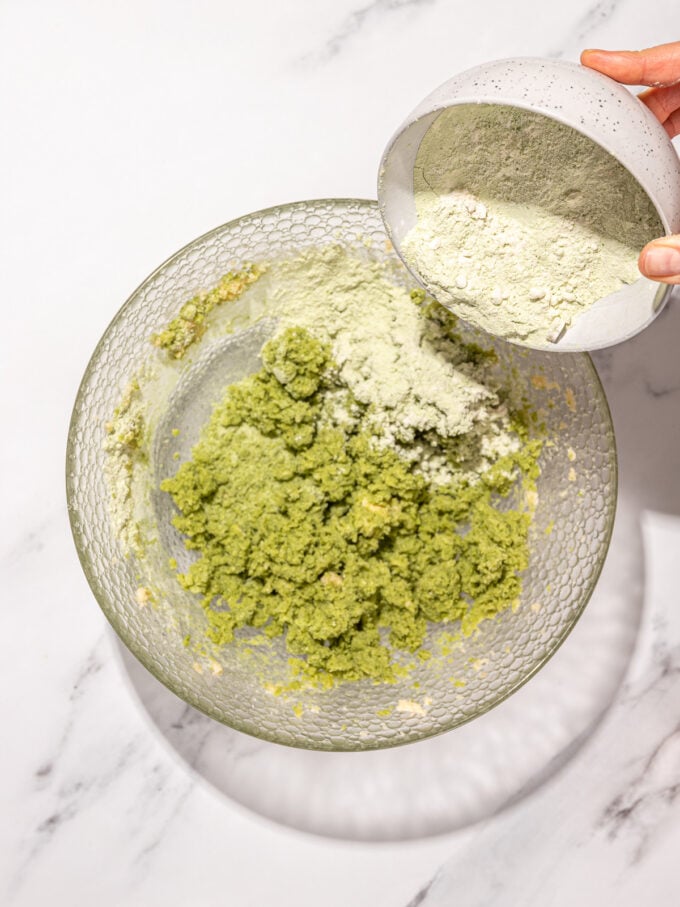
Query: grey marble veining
{"points": [[353, 23], [592, 20], [64, 786], [608, 810]]}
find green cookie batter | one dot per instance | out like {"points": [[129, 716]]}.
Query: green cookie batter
{"points": [[305, 524]]}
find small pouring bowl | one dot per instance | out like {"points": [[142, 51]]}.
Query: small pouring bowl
{"points": [[592, 104]]}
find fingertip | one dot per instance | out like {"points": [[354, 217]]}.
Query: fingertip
{"points": [[660, 259], [641, 262], [642, 258], [621, 65], [593, 53]]}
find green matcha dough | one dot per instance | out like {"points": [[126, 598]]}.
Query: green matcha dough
{"points": [[305, 526], [191, 322]]}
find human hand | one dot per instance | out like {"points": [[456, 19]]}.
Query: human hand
{"points": [[659, 68]]}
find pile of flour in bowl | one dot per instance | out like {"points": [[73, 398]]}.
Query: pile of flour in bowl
{"points": [[522, 222], [400, 356]]}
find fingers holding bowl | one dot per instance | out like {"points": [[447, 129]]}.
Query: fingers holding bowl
{"points": [[657, 67], [660, 260], [664, 103], [653, 66]]}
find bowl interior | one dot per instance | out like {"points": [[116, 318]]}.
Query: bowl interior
{"points": [[236, 684], [611, 320]]}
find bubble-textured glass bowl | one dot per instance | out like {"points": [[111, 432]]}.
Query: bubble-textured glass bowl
{"points": [[568, 541]]}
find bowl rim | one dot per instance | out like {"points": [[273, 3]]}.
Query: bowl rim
{"points": [[143, 655]]}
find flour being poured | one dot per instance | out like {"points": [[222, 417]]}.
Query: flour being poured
{"points": [[415, 374], [522, 222]]}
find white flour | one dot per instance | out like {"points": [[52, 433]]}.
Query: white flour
{"points": [[523, 223], [410, 368]]}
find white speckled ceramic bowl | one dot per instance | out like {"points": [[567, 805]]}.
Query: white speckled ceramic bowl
{"points": [[585, 100]]}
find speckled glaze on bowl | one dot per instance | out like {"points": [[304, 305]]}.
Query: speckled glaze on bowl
{"points": [[589, 102], [570, 532]]}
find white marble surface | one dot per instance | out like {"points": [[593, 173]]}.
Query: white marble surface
{"points": [[128, 129]]}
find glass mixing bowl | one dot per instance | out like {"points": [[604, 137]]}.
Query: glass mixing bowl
{"points": [[570, 532]]}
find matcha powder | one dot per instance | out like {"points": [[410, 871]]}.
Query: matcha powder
{"points": [[522, 222], [366, 482]]}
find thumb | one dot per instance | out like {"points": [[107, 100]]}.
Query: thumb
{"points": [[660, 259]]}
